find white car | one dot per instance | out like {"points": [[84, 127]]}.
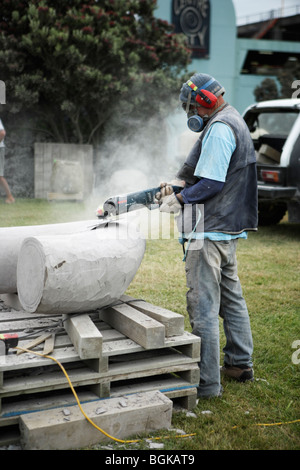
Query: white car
{"points": [[275, 130]]}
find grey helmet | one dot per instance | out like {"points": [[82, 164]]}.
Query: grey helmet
{"points": [[200, 90], [204, 82]]}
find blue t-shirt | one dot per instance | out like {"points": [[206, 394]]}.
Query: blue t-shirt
{"points": [[217, 148]]}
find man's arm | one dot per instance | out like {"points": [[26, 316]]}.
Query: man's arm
{"points": [[201, 191], [2, 134]]}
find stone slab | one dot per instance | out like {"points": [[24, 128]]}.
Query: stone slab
{"points": [[121, 418]]}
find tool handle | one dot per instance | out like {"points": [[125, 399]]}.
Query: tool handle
{"points": [[121, 204]]}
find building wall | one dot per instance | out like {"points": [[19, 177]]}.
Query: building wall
{"points": [[221, 60], [227, 52], [220, 64], [245, 84]]}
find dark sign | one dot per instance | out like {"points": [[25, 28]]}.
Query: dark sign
{"points": [[192, 18]]}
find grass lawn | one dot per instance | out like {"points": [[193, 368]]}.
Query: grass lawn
{"points": [[265, 414]]}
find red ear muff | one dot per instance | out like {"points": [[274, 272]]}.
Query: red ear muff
{"points": [[203, 97], [206, 98]]}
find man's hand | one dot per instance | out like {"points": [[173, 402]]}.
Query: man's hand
{"points": [[166, 189]]}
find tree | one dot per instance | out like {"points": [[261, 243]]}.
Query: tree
{"points": [[267, 90], [75, 65], [287, 75], [271, 89]]}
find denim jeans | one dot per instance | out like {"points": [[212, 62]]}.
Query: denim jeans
{"points": [[215, 290]]}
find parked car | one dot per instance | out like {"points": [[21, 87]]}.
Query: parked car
{"points": [[275, 130]]}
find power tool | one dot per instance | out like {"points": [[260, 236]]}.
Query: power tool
{"points": [[8, 340], [130, 202]]}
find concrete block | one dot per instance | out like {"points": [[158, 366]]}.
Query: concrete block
{"points": [[78, 272], [11, 239], [45, 155], [139, 327], [84, 334], [120, 417], [173, 322]]}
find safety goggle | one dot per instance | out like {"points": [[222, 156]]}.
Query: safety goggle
{"points": [[186, 107]]}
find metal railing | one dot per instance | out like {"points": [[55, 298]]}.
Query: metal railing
{"points": [[268, 15]]}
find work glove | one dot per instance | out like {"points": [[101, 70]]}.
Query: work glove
{"points": [[167, 199], [170, 204]]}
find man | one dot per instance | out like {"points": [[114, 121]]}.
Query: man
{"points": [[219, 174], [9, 197]]}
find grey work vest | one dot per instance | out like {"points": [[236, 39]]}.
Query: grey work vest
{"points": [[234, 209]]}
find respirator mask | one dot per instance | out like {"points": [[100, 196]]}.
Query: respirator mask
{"points": [[203, 98], [195, 122]]}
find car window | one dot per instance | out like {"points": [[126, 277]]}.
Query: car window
{"points": [[271, 123]]}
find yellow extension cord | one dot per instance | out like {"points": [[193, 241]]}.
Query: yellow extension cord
{"points": [[135, 440], [272, 424], [80, 407]]}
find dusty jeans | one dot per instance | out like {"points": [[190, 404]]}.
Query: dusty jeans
{"points": [[215, 289]]}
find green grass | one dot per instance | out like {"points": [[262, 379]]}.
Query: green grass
{"points": [[39, 211], [269, 273]]}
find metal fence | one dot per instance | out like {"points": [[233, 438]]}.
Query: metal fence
{"points": [[268, 15]]}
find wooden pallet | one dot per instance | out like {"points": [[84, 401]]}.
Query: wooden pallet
{"points": [[115, 365]]}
